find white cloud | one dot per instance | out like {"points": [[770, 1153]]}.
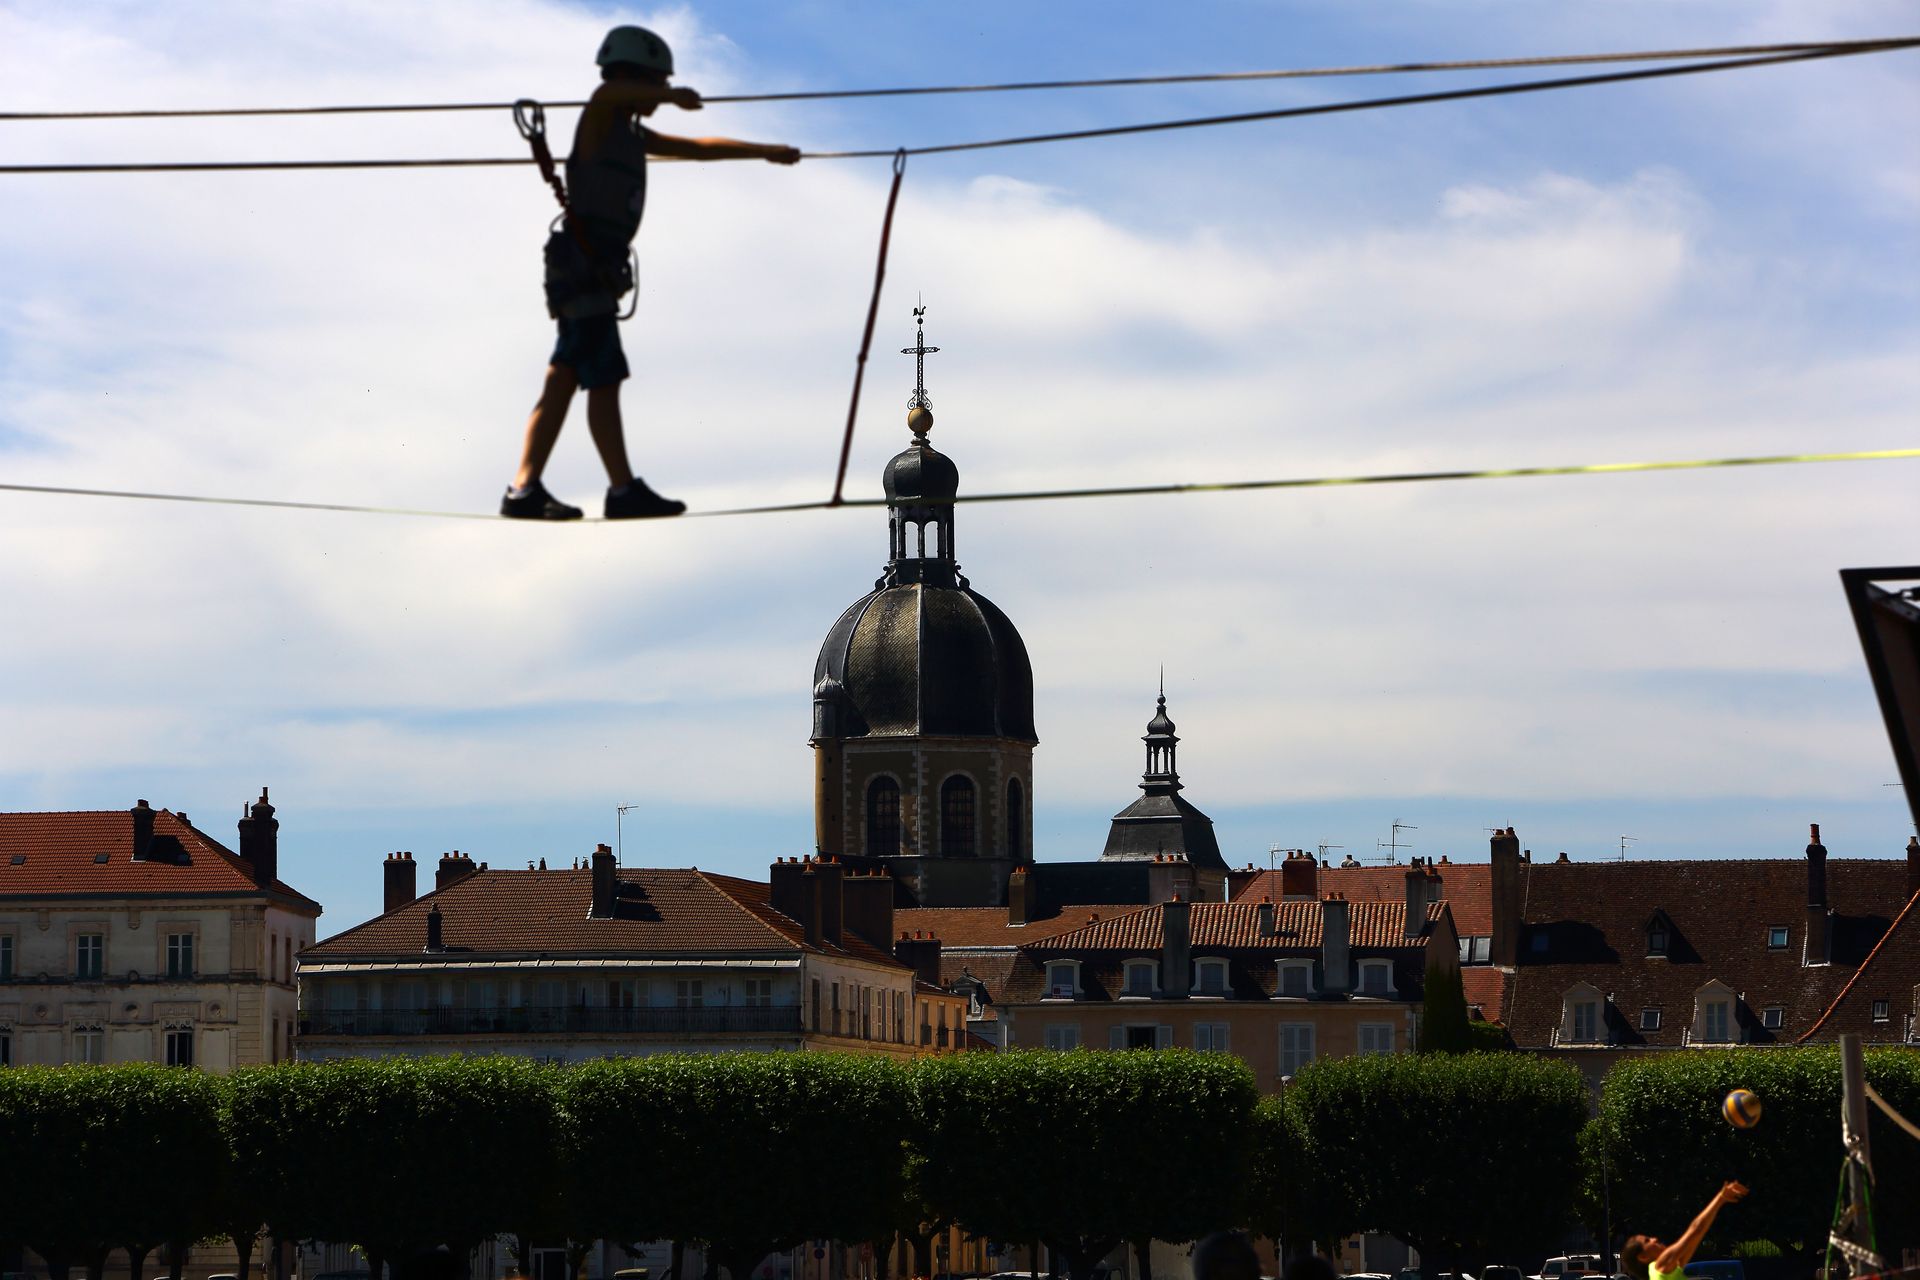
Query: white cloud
{"points": [[377, 338]]}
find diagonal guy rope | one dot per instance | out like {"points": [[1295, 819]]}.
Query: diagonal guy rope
{"points": [[1037, 495]]}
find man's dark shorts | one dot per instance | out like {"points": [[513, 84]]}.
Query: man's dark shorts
{"points": [[590, 347]]}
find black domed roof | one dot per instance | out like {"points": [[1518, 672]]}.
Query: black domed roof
{"points": [[919, 659], [919, 473]]}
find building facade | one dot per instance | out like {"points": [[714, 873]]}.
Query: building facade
{"points": [[1278, 985], [133, 936], [595, 960]]}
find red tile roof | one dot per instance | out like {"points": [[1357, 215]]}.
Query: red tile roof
{"points": [[1467, 887], [1589, 921], [58, 855], [1236, 925], [662, 912], [1890, 973], [958, 927], [1487, 987]]}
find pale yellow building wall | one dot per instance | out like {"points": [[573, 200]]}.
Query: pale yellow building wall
{"points": [[239, 1004]]}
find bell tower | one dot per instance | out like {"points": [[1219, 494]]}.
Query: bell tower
{"points": [[923, 700]]}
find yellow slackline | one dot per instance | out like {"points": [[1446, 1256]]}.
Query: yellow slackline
{"points": [[1032, 495]]}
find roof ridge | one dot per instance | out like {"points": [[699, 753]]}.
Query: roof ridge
{"points": [[1860, 968], [711, 879]]}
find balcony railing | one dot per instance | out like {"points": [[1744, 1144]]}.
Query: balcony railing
{"points": [[435, 1022]]}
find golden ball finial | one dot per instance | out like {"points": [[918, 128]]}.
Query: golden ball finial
{"points": [[919, 420]]}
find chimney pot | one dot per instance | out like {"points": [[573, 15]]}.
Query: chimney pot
{"points": [[397, 882], [605, 884]]}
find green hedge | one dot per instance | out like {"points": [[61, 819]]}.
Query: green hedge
{"points": [[1085, 1150], [1470, 1158], [752, 1153], [1666, 1149]]}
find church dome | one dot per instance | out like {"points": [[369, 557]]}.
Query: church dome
{"points": [[922, 654], [917, 659]]}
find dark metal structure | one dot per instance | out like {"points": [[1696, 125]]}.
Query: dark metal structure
{"points": [[1888, 621]]}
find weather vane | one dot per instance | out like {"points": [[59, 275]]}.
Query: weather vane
{"points": [[919, 351]]}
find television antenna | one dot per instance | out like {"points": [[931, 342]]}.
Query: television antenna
{"points": [[619, 843], [1392, 845], [1325, 847], [1624, 842]]}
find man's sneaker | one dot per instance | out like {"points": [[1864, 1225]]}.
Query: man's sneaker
{"points": [[640, 503], [537, 504]]}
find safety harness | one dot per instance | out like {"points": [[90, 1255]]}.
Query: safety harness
{"points": [[530, 118]]}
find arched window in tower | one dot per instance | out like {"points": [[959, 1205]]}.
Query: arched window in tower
{"points": [[1016, 819], [956, 817], [883, 817]]}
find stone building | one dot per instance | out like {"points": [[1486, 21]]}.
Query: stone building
{"points": [[131, 935]]}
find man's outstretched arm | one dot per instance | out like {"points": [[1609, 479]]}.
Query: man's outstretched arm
{"points": [[665, 144], [1680, 1252]]}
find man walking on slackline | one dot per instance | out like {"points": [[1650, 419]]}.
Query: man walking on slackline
{"points": [[606, 195], [1647, 1258]]}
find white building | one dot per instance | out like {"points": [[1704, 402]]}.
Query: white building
{"points": [[133, 936]]}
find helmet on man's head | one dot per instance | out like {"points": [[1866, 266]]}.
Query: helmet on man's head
{"points": [[637, 46]]}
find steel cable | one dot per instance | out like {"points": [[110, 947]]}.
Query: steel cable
{"points": [[1160, 126], [815, 95]]}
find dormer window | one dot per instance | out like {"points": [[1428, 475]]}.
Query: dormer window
{"points": [[1659, 933], [1063, 979], [1715, 1020], [1376, 977], [1296, 978], [1210, 977], [1583, 1015], [1139, 979]]}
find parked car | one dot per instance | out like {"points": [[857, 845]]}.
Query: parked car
{"points": [[1367, 1275], [1573, 1264], [1416, 1273], [1500, 1271], [1718, 1269]]}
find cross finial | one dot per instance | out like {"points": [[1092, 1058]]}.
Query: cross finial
{"points": [[919, 351]]}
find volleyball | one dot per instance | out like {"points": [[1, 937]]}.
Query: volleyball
{"points": [[1741, 1108]]}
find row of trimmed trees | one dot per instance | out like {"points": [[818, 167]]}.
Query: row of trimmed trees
{"points": [[1471, 1158]]}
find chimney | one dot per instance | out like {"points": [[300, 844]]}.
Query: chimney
{"points": [[605, 883], [398, 879], [1819, 945], [1913, 865], [922, 954], [1335, 938], [787, 891], [434, 940], [1505, 878], [809, 916], [142, 830], [1299, 878], [1175, 946], [868, 904], [1019, 897], [457, 866], [829, 882], [1267, 927], [1419, 882], [260, 842]]}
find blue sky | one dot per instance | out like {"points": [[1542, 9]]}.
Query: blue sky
{"points": [[1684, 268]]}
